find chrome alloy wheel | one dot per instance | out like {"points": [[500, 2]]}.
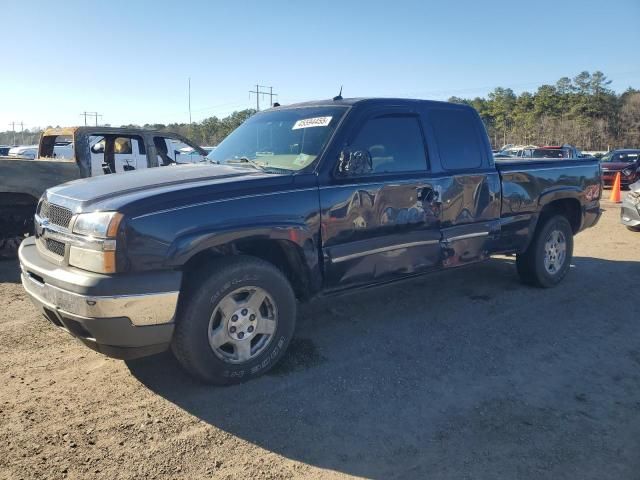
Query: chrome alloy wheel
{"points": [[242, 325], [555, 252]]}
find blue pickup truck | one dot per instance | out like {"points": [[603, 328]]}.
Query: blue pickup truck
{"points": [[304, 200]]}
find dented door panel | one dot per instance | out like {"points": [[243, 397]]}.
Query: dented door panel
{"points": [[470, 217], [376, 232]]}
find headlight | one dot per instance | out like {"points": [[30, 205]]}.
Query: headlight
{"points": [[98, 224], [627, 172], [98, 254]]}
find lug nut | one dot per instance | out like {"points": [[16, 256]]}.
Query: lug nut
{"points": [[252, 318], [234, 318], [241, 334], [232, 329], [244, 311], [250, 329]]}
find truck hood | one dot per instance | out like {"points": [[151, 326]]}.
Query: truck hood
{"points": [[138, 189]]}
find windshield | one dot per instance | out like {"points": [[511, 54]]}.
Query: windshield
{"points": [[279, 139], [621, 157]]}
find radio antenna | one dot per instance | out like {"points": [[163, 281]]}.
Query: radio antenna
{"points": [[339, 96]]}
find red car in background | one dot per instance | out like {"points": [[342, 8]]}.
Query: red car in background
{"points": [[626, 161]]}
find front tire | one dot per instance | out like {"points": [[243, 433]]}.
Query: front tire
{"points": [[548, 258], [235, 321]]}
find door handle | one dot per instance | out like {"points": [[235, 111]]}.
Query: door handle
{"points": [[428, 195]]}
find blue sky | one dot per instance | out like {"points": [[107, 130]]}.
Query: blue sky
{"points": [[130, 60]]}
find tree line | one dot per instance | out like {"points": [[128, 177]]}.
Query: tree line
{"points": [[582, 111], [210, 131]]}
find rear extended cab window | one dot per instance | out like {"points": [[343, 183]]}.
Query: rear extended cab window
{"points": [[458, 141]]}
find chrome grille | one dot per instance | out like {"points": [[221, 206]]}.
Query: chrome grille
{"points": [[55, 214], [55, 247]]}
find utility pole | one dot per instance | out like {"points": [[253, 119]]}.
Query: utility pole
{"points": [[271, 95], [259, 92], [189, 100], [13, 129], [22, 131], [90, 114]]}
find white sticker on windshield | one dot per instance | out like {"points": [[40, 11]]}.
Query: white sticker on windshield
{"points": [[312, 122]]}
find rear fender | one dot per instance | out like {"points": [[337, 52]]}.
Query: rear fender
{"points": [[547, 198], [559, 193]]}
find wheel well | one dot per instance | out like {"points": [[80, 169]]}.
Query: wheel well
{"points": [[12, 199], [282, 254], [568, 207], [16, 214]]}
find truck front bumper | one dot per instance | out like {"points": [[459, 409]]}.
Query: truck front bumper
{"points": [[123, 316]]}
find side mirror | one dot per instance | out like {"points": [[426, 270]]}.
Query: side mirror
{"points": [[354, 163]]}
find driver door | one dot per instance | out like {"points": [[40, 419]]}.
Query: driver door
{"points": [[384, 224]]}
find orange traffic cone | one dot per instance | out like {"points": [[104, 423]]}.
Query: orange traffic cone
{"points": [[615, 191]]}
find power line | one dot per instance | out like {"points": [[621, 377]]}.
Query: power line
{"points": [[258, 93], [218, 106], [90, 114]]}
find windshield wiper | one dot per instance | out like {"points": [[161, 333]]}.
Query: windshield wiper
{"points": [[243, 160], [257, 166], [279, 170]]}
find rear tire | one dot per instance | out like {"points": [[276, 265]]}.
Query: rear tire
{"points": [[235, 321], [548, 258], [634, 229]]}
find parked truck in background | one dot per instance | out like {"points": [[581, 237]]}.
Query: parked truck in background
{"points": [[300, 201], [69, 153]]}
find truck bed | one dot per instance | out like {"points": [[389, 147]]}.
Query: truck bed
{"points": [[33, 177], [528, 185]]}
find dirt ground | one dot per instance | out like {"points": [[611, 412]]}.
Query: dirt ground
{"points": [[464, 374]]}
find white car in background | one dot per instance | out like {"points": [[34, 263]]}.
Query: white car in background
{"points": [[24, 151], [188, 154]]}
